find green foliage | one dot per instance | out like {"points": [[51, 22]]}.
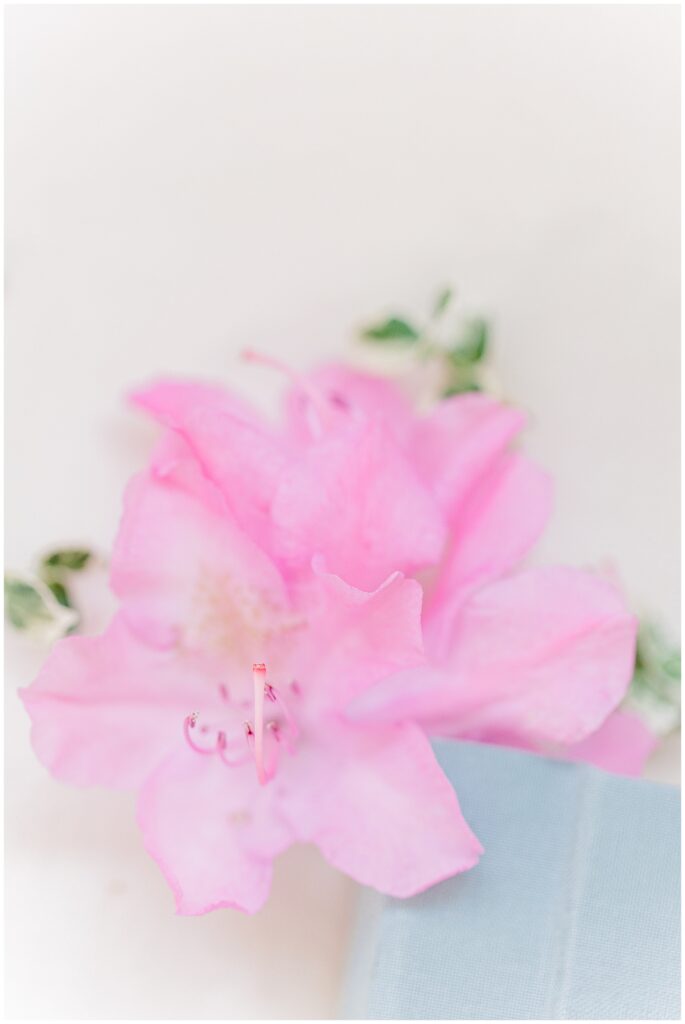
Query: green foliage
{"points": [[473, 345], [461, 387], [43, 603], [25, 605], [392, 330], [60, 593], [73, 559], [461, 361], [654, 692]]}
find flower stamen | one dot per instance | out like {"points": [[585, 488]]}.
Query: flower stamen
{"points": [[259, 677], [190, 722], [265, 737], [220, 746], [277, 697], [320, 402]]}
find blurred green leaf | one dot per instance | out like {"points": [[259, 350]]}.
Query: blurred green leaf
{"points": [[39, 608], [73, 559], [392, 329], [461, 388], [474, 345], [672, 666], [442, 302], [60, 593], [654, 692], [25, 606]]}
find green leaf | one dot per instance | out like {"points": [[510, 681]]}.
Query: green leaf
{"points": [[654, 692], [461, 388], [60, 592], [74, 559], [25, 606], [392, 329], [672, 666], [37, 607], [442, 302], [473, 347]]}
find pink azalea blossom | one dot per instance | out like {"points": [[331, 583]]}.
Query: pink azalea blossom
{"points": [[536, 658], [556, 646], [234, 761], [274, 670]]}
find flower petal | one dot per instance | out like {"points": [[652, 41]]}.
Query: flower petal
{"points": [[538, 660], [213, 831], [351, 391], [379, 808], [545, 655], [236, 448], [500, 521], [622, 744], [457, 443], [424, 693], [355, 500], [170, 400], [355, 638], [106, 709], [186, 573]]}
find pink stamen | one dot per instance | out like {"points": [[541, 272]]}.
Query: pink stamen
{"points": [[258, 677], [277, 697], [234, 762], [274, 730], [318, 399], [220, 746], [190, 723], [280, 732], [282, 736]]}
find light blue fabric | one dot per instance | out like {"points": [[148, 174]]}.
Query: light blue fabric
{"points": [[572, 913]]}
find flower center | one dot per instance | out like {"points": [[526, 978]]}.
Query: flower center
{"points": [[233, 619], [272, 730]]}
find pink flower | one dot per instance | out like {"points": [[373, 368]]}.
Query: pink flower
{"points": [[249, 545], [536, 658], [234, 761]]}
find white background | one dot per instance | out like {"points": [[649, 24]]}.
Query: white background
{"points": [[184, 181]]}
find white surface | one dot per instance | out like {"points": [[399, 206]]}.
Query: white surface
{"points": [[185, 181]]}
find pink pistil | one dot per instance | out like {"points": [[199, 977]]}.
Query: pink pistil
{"points": [[280, 733]]}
